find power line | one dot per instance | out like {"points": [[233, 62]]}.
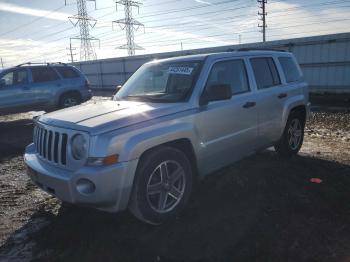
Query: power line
{"points": [[32, 21], [71, 54]]}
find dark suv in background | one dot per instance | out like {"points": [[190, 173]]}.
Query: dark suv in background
{"points": [[37, 87]]}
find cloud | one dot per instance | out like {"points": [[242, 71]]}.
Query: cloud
{"points": [[16, 51], [203, 2], [5, 7], [297, 21]]}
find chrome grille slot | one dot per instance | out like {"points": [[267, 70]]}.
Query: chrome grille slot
{"points": [[51, 145]]}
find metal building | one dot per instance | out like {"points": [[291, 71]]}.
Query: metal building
{"points": [[325, 61]]}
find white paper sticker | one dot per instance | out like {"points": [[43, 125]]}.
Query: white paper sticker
{"points": [[181, 70]]}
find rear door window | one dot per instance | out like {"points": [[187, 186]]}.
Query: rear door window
{"points": [[290, 69], [265, 72], [67, 72], [43, 74], [232, 73]]}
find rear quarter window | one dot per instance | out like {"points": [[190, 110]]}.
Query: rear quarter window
{"points": [[67, 72], [290, 69]]}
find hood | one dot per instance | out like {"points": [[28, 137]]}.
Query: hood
{"points": [[104, 116]]}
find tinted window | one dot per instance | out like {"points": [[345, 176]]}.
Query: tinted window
{"points": [[15, 77], [43, 74], [67, 72], [232, 73], [265, 72], [290, 69]]}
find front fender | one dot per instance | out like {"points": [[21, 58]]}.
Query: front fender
{"points": [[138, 144]]}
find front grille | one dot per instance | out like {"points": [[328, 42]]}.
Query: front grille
{"points": [[51, 145]]}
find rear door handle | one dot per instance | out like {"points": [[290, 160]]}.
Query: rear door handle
{"points": [[25, 88], [282, 95], [249, 104]]}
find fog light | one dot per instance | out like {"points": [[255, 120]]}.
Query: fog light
{"points": [[85, 186]]}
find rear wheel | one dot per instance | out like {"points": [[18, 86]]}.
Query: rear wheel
{"points": [[293, 135], [68, 100], [162, 185]]}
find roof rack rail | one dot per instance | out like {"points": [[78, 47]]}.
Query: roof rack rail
{"points": [[260, 49], [49, 63]]}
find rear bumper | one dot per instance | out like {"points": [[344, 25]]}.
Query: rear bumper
{"points": [[111, 188], [86, 95], [308, 110]]}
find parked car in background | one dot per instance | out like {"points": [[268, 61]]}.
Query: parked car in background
{"points": [[174, 120], [37, 87]]}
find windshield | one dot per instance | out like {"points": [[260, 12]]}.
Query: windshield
{"points": [[161, 82]]}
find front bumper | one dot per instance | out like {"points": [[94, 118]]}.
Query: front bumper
{"points": [[112, 184]]}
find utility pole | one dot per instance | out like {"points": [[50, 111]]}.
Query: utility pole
{"points": [[85, 22], [71, 54], [129, 24], [2, 63], [262, 6], [182, 47]]}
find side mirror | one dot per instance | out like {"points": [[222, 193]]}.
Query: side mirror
{"points": [[118, 88], [216, 93]]}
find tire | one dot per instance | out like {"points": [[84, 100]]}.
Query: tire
{"points": [[155, 200], [292, 137], [69, 99]]}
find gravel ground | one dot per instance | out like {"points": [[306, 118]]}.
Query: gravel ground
{"points": [[262, 208]]}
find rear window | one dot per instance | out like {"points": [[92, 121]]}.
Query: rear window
{"points": [[290, 69], [265, 72], [67, 72], [43, 74]]}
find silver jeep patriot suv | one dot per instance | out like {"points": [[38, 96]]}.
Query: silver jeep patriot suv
{"points": [[173, 121]]}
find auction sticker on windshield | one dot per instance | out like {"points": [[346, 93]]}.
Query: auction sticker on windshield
{"points": [[181, 70]]}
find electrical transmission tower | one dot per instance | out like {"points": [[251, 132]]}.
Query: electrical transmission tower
{"points": [[129, 24], [262, 6], [85, 22]]}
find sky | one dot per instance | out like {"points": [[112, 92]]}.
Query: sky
{"points": [[40, 30]]}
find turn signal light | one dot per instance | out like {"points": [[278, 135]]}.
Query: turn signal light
{"points": [[110, 160]]}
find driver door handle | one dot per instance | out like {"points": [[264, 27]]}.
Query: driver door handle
{"points": [[249, 104]]}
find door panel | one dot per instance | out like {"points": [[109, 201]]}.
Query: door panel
{"points": [[227, 129], [45, 83], [270, 99], [15, 96]]}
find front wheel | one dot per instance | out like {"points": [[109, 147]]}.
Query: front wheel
{"points": [[292, 137], [162, 187]]}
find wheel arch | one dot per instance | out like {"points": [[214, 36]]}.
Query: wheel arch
{"points": [[68, 92], [293, 105], [182, 144]]}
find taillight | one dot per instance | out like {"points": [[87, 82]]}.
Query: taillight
{"points": [[87, 84]]}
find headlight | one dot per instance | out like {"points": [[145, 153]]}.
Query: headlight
{"points": [[79, 147]]}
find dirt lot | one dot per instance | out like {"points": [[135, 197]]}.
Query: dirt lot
{"points": [[260, 209]]}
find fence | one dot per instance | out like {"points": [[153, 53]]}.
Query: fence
{"points": [[325, 61]]}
